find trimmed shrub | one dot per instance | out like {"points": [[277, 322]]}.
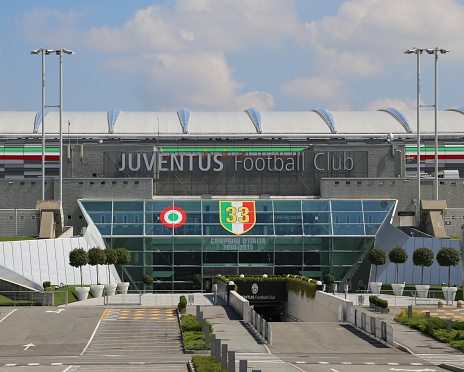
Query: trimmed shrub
{"points": [[182, 304], [206, 364], [422, 257], [302, 287], [47, 284], [448, 257], [377, 257], [397, 256]]}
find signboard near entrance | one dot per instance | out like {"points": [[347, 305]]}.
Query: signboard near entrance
{"points": [[262, 291]]}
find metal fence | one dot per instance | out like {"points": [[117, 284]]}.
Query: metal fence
{"points": [[372, 325], [26, 298], [262, 326]]}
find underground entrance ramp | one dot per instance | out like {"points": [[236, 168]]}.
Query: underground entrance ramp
{"points": [[289, 337]]}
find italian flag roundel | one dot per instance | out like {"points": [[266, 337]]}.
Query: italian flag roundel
{"points": [[237, 217], [173, 217]]}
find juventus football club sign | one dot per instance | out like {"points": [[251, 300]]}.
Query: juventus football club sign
{"points": [[237, 217]]}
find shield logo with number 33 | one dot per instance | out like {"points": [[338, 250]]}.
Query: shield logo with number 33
{"points": [[238, 217]]}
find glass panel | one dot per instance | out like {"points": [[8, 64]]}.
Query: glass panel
{"points": [[127, 217], [349, 244], [211, 217], [318, 229], [264, 206], [263, 258], [127, 229], [105, 229], [288, 258], [210, 206], [187, 244], [263, 217], [347, 217], [220, 258], [312, 258], [162, 258], [126, 206], [284, 270], [317, 244], [187, 229], [346, 258], [288, 230], [260, 230], [136, 259], [215, 230], [158, 244], [187, 258], [346, 205], [287, 205], [131, 244], [238, 243], [316, 205], [371, 229], [348, 229], [288, 244], [374, 217], [188, 206], [339, 272], [287, 217], [100, 217], [318, 217], [158, 206], [378, 205], [157, 230], [186, 273], [96, 206]]}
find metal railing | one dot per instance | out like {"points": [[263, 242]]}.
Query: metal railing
{"points": [[409, 297], [26, 298]]}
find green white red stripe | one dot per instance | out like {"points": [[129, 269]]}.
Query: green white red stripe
{"points": [[237, 217]]}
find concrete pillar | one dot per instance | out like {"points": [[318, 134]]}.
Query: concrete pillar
{"points": [[224, 357], [231, 358], [243, 365], [217, 350], [213, 345]]}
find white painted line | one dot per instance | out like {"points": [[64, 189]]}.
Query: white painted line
{"points": [[57, 364], [323, 362], [91, 337], [346, 362], [67, 369], [369, 363], [28, 346], [10, 365], [416, 364], [333, 370], [8, 316], [34, 364], [393, 364]]}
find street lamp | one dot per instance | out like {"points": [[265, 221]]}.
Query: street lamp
{"points": [[418, 53], [436, 51], [60, 53]]}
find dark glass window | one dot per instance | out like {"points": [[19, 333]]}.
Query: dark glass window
{"points": [[187, 258], [288, 258], [162, 258], [312, 258], [263, 258], [288, 230], [220, 258]]}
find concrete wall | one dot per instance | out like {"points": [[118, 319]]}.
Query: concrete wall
{"points": [[323, 308], [240, 305]]}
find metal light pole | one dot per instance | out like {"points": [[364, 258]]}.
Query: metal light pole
{"points": [[60, 53], [44, 52], [418, 53], [435, 51]]}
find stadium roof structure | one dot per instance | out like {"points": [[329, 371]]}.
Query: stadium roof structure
{"points": [[251, 123]]}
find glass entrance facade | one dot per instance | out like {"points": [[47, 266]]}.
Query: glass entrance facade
{"points": [[173, 239]]}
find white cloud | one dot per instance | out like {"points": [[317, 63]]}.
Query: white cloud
{"points": [[315, 88], [400, 105]]}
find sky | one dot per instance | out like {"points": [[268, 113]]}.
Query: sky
{"points": [[231, 55]]}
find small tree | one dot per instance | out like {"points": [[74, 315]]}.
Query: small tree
{"points": [[111, 259], [422, 257], [77, 258], [448, 257], [124, 257], [398, 256], [197, 279], [377, 257], [97, 257], [148, 280], [328, 280]]}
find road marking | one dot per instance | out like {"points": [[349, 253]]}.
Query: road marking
{"points": [[333, 370], [10, 365], [33, 364], [28, 346], [93, 334], [393, 364], [413, 370], [55, 311], [57, 364], [298, 368], [416, 364], [346, 362], [323, 362], [8, 315]]}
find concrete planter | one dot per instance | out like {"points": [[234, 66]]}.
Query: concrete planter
{"points": [[398, 289], [123, 287], [82, 293], [449, 293], [110, 289], [384, 311], [375, 287], [97, 290], [422, 290]]}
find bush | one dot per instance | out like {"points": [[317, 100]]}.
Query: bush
{"points": [[329, 279], [189, 322], [182, 304], [422, 257], [206, 364], [302, 287], [47, 285], [378, 302], [148, 279], [377, 257], [194, 338], [363, 287]]}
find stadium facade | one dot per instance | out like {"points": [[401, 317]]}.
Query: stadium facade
{"points": [[236, 192]]}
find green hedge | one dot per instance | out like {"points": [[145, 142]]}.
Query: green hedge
{"points": [[378, 302], [194, 338], [206, 364], [182, 304], [436, 327], [302, 287]]}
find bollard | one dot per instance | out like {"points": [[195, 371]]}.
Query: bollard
{"points": [[200, 316], [197, 311], [427, 315], [224, 357], [243, 365], [203, 325], [255, 370], [410, 311], [231, 358], [207, 336], [217, 350], [213, 345], [448, 326]]}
